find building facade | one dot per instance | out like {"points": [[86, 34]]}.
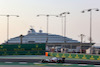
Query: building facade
{"points": [[53, 40]]}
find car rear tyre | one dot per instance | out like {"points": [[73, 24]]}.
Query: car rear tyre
{"points": [[43, 61]]}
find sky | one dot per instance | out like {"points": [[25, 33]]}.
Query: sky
{"points": [[76, 22]]}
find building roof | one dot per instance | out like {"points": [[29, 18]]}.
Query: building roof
{"points": [[40, 37]]}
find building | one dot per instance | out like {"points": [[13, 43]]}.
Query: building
{"points": [[53, 40], [93, 50]]}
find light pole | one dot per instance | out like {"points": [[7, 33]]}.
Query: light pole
{"points": [[8, 24], [90, 10], [21, 39], [64, 15], [81, 35], [47, 15]]}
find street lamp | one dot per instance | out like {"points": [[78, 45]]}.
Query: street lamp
{"points": [[21, 39], [90, 10], [47, 15], [64, 15], [8, 24], [81, 35]]}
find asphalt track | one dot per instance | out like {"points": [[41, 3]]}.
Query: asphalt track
{"points": [[15, 64], [66, 61]]}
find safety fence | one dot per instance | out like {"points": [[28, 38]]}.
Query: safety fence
{"points": [[23, 49], [72, 55]]}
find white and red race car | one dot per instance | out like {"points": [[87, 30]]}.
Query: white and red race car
{"points": [[53, 60]]}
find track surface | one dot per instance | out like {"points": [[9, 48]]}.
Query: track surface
{"points": [[25, 64], [38, 58], [38, 61]]}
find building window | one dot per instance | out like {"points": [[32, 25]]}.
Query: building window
{"points": [[31, 42]]}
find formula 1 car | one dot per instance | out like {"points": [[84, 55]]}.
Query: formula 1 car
{"points": [[53, 60]]}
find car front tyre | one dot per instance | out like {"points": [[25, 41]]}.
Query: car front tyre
{"points": [[58, 61]]}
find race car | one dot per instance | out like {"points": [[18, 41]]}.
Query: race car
{"points": [[53, 60]]}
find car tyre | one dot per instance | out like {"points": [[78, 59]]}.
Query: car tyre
{"points": [[58, 61], [43, 61]]}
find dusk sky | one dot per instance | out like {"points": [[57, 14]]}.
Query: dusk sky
{"points": [[77, 22]]}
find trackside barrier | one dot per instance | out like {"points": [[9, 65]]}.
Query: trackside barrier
{"points": [[23, 49], [72, 55]]}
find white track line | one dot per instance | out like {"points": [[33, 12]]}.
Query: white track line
{"points": [[97, 65], [67, 64], [8, 62], [22, 62], [83, 64], [36, 63], [52, 63]]}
